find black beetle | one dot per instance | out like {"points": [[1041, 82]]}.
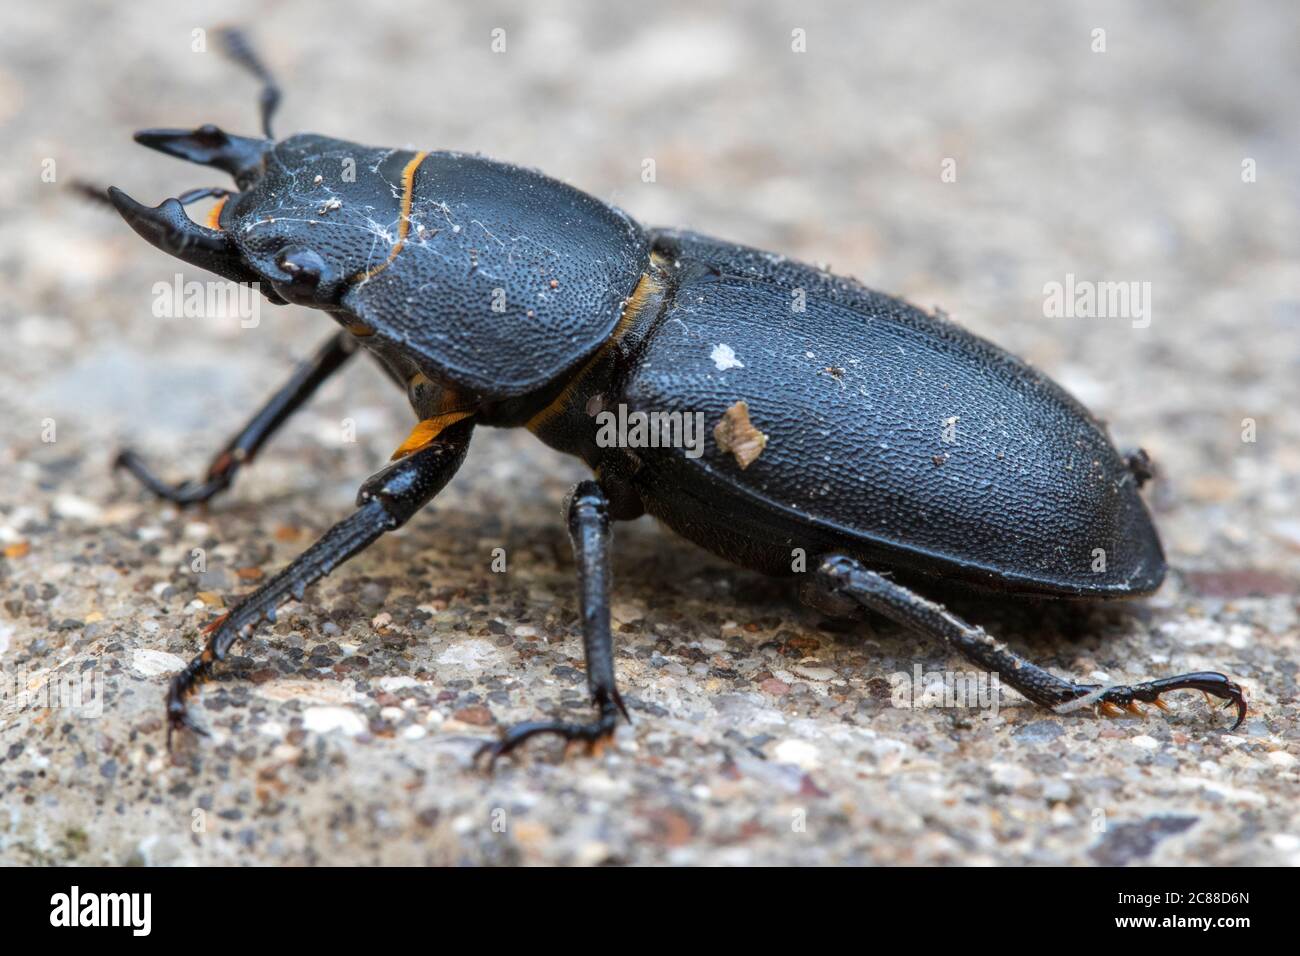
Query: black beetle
{"points": [[852, 432]]}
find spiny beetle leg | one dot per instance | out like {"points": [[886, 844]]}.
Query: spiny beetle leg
{"points": [[240, 450], [589, 532], [1148, 692], [845, 576], [385, 502]]}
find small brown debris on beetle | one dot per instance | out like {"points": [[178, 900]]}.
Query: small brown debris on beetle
{"points": [[736, 434], [1141, 466]]}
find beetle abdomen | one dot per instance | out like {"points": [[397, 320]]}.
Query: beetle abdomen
{"points": [[924, 445]]}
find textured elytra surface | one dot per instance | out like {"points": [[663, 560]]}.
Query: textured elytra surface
{"points": [[503, 277], [342, 733], [915, 440]]}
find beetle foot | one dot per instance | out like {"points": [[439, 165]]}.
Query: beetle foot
{"points": [[185, 493], [596, 735], [1210, 683], [178, 715]]}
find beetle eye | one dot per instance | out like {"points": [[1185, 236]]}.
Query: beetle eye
{"points": [[309, 279], [304, 267]]}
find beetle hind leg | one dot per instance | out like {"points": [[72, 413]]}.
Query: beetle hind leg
{"points": [[589, 532], [844, 576]]}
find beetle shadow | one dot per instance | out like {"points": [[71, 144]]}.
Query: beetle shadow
{"points": [[661, 567], [1043, 629]]}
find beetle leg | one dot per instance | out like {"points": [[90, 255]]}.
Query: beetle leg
{"points": [[843, 575], [1207, 682], [589, 531], [241, 449], [385, 502]]}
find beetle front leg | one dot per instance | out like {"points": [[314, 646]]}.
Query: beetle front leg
{"points": [[589, 532], [846, 577], [385, 502], [240, 450]]}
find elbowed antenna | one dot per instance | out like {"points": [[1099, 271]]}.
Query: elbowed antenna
{"points": [[238, 48], [241, 156]]}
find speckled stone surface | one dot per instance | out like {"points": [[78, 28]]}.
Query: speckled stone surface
{"points": [[343, 733]]}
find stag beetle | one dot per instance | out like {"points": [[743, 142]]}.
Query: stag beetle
{"points": [[885, 446]]}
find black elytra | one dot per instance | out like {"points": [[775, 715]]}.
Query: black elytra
{"points": [[849, 438]]}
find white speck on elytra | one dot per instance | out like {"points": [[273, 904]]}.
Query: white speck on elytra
{"points": [[724, 357]]}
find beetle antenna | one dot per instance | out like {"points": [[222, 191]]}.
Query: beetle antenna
{"points": [[237, 47]]}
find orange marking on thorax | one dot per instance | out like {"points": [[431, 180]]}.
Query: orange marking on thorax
{"points": [[214, 214], [647, 288], [404, 220], [426, 431]]}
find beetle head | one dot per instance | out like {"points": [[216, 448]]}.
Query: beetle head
{"points": [[290, 272], [260, 233]]}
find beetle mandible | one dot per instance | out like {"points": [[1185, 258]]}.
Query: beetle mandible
{"points": [[829, 418]]}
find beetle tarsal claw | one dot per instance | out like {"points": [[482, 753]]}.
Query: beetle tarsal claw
{"points": [[1109, 710]]}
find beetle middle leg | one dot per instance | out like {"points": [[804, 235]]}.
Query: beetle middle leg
{"points": [[237, 452], [845, 576], [589, 531], [385, 502]]}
